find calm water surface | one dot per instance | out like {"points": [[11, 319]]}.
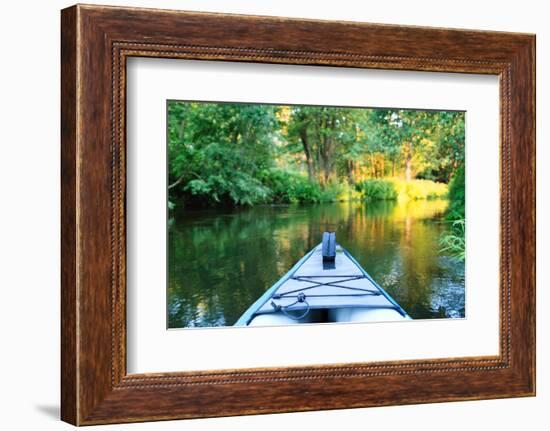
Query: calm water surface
{"points": [[221, 261]]}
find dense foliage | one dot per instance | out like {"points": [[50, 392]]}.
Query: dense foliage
{"points": [[245, 154], [218, 151]]}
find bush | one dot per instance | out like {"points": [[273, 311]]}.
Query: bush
{"points": [[394, 188], [457, 196], [377, 190], [294, 187], [420, 189], [240, 189], [345, 192], [291, 187]]}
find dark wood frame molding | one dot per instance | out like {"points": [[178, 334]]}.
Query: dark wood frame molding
{"points": [[95, 43]]}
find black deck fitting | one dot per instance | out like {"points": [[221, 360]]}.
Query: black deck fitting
{"points": [[329, 246]]}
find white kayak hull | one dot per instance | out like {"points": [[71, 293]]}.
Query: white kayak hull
{"points": [[339, 315], [279, 318], [349, 315]]}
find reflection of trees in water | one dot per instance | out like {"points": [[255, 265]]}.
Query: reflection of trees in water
{"points": [[221, 262]]}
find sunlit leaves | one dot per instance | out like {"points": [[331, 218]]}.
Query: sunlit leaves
{"points": [[219, 153]]}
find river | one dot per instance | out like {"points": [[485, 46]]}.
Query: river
{"points": [[221, 261]]}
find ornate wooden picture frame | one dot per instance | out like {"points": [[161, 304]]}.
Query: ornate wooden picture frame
{"points": [[96, 41]]}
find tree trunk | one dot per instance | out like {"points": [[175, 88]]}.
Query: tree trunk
{"points": [[181, 131], [351, 178], [408, 168], [408, 162], [307, 151]]}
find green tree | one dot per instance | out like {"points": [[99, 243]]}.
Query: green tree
{"points": [[324, 134], [217, 151]]}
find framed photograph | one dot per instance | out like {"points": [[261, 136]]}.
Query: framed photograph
{"points": [[281, 207]]}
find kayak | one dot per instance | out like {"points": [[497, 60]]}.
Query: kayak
{"points": [[327, 285]]}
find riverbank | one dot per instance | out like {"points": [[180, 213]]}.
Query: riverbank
{"points": [[283, 187]]}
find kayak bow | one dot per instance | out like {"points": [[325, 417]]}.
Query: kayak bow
{"points": [[326, 285]]}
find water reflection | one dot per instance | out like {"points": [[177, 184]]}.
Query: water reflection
{"points": [[220, 262]]}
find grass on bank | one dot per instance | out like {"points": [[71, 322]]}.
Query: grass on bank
{"points": [[291, 187], [453, 242], [400, 189]]}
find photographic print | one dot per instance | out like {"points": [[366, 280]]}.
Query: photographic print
{"points": [[297, 214]]}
